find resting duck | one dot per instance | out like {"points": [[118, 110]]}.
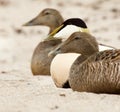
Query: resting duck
{"points": [[40, 63], [92, 71]]}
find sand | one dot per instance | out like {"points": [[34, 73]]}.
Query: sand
{"points": [[20, 91]]}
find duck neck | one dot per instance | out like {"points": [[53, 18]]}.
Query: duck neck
{"points": [[53, 27], [80, 60], [57, 22], [85, 59]]}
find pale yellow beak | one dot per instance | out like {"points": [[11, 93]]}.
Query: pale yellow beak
{"points": [[51, 35]]}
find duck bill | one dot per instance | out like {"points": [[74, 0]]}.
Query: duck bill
{"points": [[54, 52], [51, 35], [32, 22], [38, 20]]}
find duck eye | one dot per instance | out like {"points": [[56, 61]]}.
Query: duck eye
{"points": [[46, 13], [76, 38]]}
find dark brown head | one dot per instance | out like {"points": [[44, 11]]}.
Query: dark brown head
{"points": [[78, 42], [48, 17]]}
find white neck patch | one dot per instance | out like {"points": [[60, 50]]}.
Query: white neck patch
{"points": [[104, 47], [67, 31]]}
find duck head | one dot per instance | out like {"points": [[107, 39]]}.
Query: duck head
{"points": [[68, 27], [79, 42], [48, 17]]}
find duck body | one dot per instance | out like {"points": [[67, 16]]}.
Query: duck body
{"points": [[40, 63], [101, 75], [92, 71], [60, 67]]}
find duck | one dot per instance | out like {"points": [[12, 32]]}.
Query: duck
{"points": [[40, 63], [93, 71]]}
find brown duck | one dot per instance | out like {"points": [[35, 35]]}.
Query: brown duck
{"points": [[40, 64], [93, 71]]}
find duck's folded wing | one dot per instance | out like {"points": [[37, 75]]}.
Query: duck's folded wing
{"points": [[107, 55]]}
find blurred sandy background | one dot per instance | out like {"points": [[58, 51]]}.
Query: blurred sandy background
{"points": [[20, 91]]}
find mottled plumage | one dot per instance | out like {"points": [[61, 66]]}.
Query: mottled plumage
{"points": [[99, 73]]}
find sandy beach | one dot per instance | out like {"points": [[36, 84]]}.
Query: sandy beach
{"points": [[20, 91]]}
